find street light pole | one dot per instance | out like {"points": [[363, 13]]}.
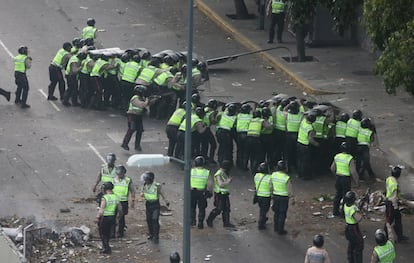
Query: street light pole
{"points": [[187, 147]]}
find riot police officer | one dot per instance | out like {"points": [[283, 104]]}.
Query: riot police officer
{"points": [[242, 126], [340, 128], [225, 133], [384, 251], [352, 231], [208, 141], [58, 63], [22, 62], [172, 128], [263, 186], [365, 138], [351, 133], [107, 171], [305, 139]]}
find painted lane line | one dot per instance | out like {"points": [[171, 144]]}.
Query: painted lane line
{"points": [[96, 152], [6, 49], [51, 102]]}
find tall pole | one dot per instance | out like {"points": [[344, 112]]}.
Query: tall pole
{"points": [[187, 147]]}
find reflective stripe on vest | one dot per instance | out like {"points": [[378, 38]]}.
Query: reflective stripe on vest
{"points": [[73, 59], [134, 109], [111, 201], [161, 79], [194, 119], [106, 175], [255, 127], [147, 74], [226, 122], [304, 129], [217, 188], [20, 63], [349, 211], [121, 188], [113, 61], [151, 193], [199, 178], [293, 122], [352, 127], [277, 6], [243, 120], [177, 117], [85, 69], [342, 161], [57, 60], [340, 129], [392, 186], [97, 67], [279, 182], [280, 122], [195, 72], [130, 72], [88, 32], [364, 136], [318, 126], [262, 190], [385, 253]]}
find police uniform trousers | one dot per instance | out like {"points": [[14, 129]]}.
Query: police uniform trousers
{"points": [[199, 200], [84, 94], [304, 161], [290, 149], [352, 143], [4, 93], [222, 205], [111, 91], [106, 224], [317, 155], [268, 146], [394, 216], [256, 155], [121, 223], [208, 145], [56, 76], [161, 109], [172, 135], [242, 157], [355, 243], [225, 141], [72, 91], [363, 161], [342, 185], [179, 149], [22, 90], [279, 145], [152, 212], [96, 99], [196, 139], [264, 205], [127, 90], [279, 20], [134, 125], [280, 208]]}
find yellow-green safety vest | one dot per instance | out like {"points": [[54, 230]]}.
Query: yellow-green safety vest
{"points": [[106, 175], [340, 128], [392, 185], [280, 122], [277, 6], [88, 32], [121, 68], [161, 79], [352, 128], [267, 130], [243, 120], [130, 72], [349, 211], [255, 127], [318, 126], [262, 185], [111, 201], [85, 69], [194, 119], [147, 73], [151, 193], [364, 136], [177, 117], [217, 188], [20, 63], [121, 188], [73, 59], [304, 129], [97, 67], [134, 109], [386, 253], [57, 60], [113, 61], [342, 161], [206, 118], [226, 122], [199, 178], [293, 122], [279, 182]]}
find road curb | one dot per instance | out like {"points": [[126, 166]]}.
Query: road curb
{"points": [[275, 62]]}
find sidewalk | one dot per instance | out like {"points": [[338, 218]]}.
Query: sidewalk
{"points": [[343, 75]]}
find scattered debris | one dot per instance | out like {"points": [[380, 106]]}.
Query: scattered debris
{"points": [[65, 210], [317, 214]]}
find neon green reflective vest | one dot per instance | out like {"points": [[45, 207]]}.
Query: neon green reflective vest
{"points": [[151, 193], [277, 6], [352, 128], [121, 188], [88, 32], [262, 190], [206, 118], [57, 60], [318, 126], [194, 120], [255, 127], [340, 129], [147, 74], [304, 129], [177, 117], [386, 253], [161, 79], [73, 59], [280, 122], [349, 211], [195, 72], [134, 109], [217, 188], [243, 120], [199, 178], [391, 185], [121, 68], [279, 182], [19, 63], [114, 61], [106, 175], [130, 72], [85, 69], [97, 67], [293, 122], [267, 130], [111, 201], [342, 161], [226, 122], [364, 136]]}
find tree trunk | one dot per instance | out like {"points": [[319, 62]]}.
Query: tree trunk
{"points": [[300, 43], [241, 9]]}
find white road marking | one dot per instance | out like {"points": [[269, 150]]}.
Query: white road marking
{"points": [[51, 102], [96, 152], [6, 49]]}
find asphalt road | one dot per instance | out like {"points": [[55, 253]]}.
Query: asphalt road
{"points": [[50, 154]]}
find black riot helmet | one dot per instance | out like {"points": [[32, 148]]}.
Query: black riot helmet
{"points": [[110, 158], [226, 165], [154, 61], [344, 117], [120, 170], [23, 50], [199, 111], [104, 57], [293, 107], [67, 46], [350, 198], [199, 161], [170, 60], [396, 171], [148, 177], [262, 103], [195, 98], [182, 106], [76, 42], [311, 117], [245, 108], [175, 257], [202, 66], [366, 123], [344, 147], [125, 57], [231, 109], [81, 56], [262, 168], [140, 90], [380, 237], [108, 186], [136, 58], [284, 102], [257, 114], [318, 240], [212, 103], [266, 113], [281, 165], [357, 115], [88, 41], [146, 55], [183, 69], [90, 22], [194, 62]]}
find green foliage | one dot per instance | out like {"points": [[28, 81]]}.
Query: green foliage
{"points": [[396, 64], [301, 12], [343, 13]]}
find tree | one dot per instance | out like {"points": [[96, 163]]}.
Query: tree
{"points": [[390, 25]]}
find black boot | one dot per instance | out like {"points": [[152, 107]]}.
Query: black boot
{"points": [[226, 220], [211, 217]]}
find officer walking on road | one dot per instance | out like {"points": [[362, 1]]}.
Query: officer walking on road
{"points": [[263, 186], [151, 191], [352, 232], [201, 189], [22, 62], [222, 181], [124, 190], [384, 251], [58, 63], [316, 253], [90, 30]]}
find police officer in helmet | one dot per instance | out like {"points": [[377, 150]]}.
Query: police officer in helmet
{"points": [[22, 62], [384, 251], [352, 231]]}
